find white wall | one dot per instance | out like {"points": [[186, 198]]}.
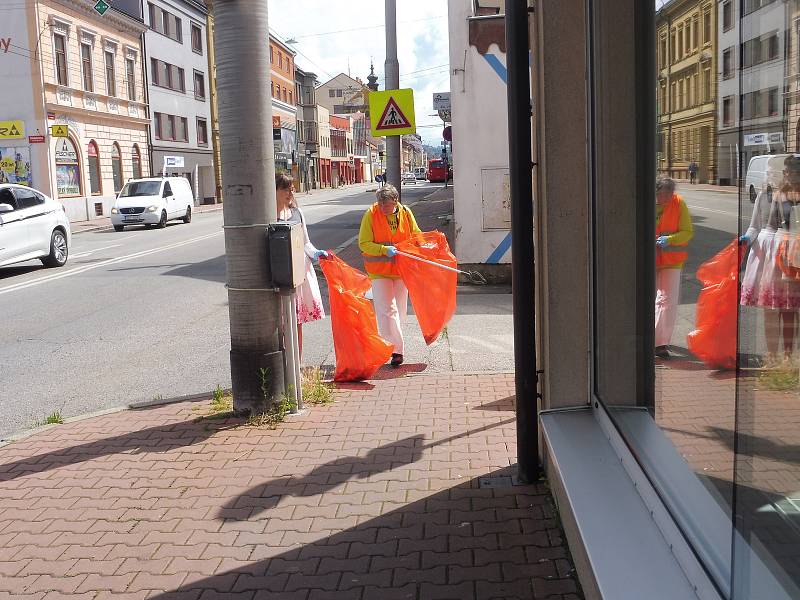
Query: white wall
{"points": [[480, 144], [17, 72]]}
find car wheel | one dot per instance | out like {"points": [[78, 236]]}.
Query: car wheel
{"points": [[163, 222], [119, 227], [188, 216], [752, 194], [58, 250]]}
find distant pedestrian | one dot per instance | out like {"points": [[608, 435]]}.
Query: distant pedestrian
{"points": [[308, 300], [386, 223], [673, 232], [693, 172]]}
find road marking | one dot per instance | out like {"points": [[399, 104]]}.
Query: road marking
{"points": [[87, 253], [714, 210], [110, 261]]}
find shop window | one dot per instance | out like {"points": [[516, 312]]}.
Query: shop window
{"points": [[136, 162], [68, 170], [95, 181], [116, 167]]}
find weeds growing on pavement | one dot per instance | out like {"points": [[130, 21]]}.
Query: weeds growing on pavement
{"points": [[315, 390], [53, 418], [221, 405], [780, 380], [277, 411]]}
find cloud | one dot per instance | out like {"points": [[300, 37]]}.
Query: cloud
{"points": [[422, 43]]}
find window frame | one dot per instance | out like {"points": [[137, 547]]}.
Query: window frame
{"points": [[202, 96], [64, 54], [192, 28], [130, 78], [117, 171], [94, 163], [204, 122], [88, 84], [111, 82]]}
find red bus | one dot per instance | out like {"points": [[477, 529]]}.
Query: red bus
{"points": [[437, 170]]}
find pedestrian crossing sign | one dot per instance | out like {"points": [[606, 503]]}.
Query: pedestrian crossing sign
{"points": [[392, 112]]}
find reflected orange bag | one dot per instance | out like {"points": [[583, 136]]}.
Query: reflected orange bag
{"points": [[788, 257], [432, 290], [714, 338], [360, 351]]}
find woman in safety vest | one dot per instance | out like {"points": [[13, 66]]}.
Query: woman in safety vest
{"points": [[673, 232], [386, 223]]}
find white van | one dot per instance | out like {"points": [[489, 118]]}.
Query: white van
{"points": [[153, 201], [764, 173]]}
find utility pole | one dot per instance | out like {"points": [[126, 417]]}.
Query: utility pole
{"points": [[392, 71], [241, 37]]}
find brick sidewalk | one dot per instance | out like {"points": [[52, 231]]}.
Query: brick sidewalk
{"points": [[378, 495]]}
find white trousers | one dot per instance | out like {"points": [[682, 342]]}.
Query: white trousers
{"points": [[668, 289], [390, 298]]}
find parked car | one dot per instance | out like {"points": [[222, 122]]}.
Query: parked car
{"points": [[408, 177], [32, 226], [764, 173], [153, 201], [420, 173]]}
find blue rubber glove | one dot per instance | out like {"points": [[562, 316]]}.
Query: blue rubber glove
{"points": [[320, 254], [391, 251], [744, 239], [662, 241]]}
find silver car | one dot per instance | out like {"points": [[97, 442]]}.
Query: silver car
{"points": [[32, 226]]}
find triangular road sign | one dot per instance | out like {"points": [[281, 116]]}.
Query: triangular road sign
{"points": [[392, 117]]}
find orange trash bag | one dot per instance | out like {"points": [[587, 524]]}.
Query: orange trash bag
{"points": [[714, 338], [432, 290], [360, 351]]}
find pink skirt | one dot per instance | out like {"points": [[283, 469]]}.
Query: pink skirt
{"points": [[308, 300], [763, 283]]}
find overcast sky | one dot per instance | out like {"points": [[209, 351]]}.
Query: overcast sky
{"points": [[353, 32]]}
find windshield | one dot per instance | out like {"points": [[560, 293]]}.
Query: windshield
{"points": [[436, 163], [140, 188]]}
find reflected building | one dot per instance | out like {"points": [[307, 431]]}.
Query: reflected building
{"points": [[686, 35], [750, 108]]}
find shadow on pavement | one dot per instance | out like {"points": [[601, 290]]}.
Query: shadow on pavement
{"points": [[462, 542], [324, 478], [154, 439], [507, 404]]}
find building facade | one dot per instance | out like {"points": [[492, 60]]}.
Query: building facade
{"points": [[686, 56], [74, 68], [178, 79], [325, 154], [751, 47], [344, 95], [307, 129], [342, 157], [284, 107]]}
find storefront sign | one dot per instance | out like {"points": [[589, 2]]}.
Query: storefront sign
{"points": [[65, 151], [173, 161], [763, 139], [12, 130], [36, 139], [15, 165]]}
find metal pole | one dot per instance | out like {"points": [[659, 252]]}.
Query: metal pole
{"points": [[392, 70], [519, 145], [212, 76], [291, 374], [248, 174]]}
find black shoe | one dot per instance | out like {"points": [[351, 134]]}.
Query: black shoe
{"points": [[397, 360], [662, 352]]}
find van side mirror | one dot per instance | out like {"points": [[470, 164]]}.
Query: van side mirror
{"points": [[166, 194], [6, 208]]}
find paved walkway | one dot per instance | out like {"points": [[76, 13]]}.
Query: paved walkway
{"points": [[400, 489]]}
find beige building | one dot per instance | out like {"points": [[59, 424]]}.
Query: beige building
{"points": [[686, 33], [76, 68]]}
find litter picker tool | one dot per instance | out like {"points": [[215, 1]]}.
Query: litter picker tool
{"points": [[474, 277]]}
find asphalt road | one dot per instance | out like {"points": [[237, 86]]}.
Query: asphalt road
{"points": [[137, 315]]}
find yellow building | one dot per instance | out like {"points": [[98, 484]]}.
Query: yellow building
{"points": [[73, 67], [686, 33]]}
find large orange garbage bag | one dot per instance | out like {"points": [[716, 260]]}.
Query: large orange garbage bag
{"points": [[714, 339], [360, 351], [432, 289]]}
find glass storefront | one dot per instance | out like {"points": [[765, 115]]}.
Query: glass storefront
{"points": [[711, 410]]}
